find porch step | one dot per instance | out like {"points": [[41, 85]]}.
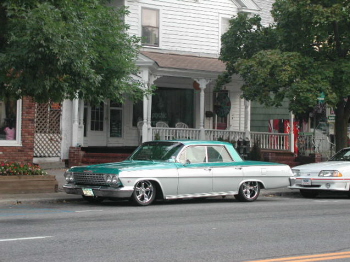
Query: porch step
{"points": [[100, 158]]}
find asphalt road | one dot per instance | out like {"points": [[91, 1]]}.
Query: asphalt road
{"points": [[190, 230]]}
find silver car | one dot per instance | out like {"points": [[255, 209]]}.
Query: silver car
{"points": [[177, 169], [332, 175]]}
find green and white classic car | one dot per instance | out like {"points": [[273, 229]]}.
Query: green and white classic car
{"points": [[177, 170]]}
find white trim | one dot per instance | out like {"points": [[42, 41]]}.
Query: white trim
{"points": [[18, 141]]}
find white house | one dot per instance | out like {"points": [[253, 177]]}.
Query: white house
{"points": [[179, 55]]}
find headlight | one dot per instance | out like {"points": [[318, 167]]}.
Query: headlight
{"points": [[296, 172], [330, 173], [109, 179], [69, 177], [113, 180]]}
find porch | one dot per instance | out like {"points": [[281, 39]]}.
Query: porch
{"points": [[264, 140]]}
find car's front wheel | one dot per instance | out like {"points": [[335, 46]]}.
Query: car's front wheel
{"points": [[308, 193], [144, 193], [248, 191]]}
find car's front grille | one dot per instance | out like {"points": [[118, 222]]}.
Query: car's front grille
{"points": [[89, 179]]}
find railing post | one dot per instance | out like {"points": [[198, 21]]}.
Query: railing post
{"points": [[291, 132]]}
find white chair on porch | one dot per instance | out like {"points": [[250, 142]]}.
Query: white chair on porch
{"points": [[181, 125], [181, 134], [163, 134], [161, 124]]}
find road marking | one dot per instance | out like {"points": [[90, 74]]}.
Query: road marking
{"points": [[82, 211], [319, 257], [23, 238]]}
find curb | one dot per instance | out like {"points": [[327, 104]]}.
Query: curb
{"points": [[62, 197]]}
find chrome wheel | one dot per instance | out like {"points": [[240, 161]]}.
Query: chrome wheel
{"points": [[248, 191], [144, 193]]}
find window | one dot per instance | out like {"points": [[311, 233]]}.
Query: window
{"points": [[115, 124], [150, 27], [97, 116], [194, 155], [218, 154], [225, 25], [173, 105], [10, 122], [137, 112]]}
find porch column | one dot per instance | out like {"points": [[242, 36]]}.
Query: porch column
{"points": [[152, 78], [148, 80], [202, 85], [144, 75], [247, 119], [75, 133]]}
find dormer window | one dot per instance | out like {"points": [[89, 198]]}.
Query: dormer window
{"points": [[150, 27]]}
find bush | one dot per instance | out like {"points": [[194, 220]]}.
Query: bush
{"points": [[17, 169], [255, 153]]}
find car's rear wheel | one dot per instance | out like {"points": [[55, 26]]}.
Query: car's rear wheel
{"points": [[144, 193], [308, 193], [248, 191], [93, 199]]}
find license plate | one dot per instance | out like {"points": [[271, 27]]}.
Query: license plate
{"points": [[306, 182], [88, 192]]}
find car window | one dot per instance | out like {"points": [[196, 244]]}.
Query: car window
{"points": [[193, 154], [343, 155], [160, 151], [218, 154]]}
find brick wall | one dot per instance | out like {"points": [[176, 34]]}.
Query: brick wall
{"points": [[24, 153], [75, 156]]}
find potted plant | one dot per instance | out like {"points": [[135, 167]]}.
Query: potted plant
{"points": [[25, 178]]}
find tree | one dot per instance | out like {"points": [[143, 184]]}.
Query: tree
{"points": [[61, 49], [303, 54]]}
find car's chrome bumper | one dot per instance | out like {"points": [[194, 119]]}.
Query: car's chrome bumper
{"points": [[317, 183], [99, 191]]}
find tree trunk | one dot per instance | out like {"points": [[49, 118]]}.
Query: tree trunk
{"points": [[341, 126]]}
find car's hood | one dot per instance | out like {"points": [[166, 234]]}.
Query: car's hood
{"points": [[328, 165], [117, 167]]}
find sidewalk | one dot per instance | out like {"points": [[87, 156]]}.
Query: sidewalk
{"points": [[61, 196]]}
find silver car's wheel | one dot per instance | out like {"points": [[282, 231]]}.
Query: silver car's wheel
{"points": [[248, 191], [144, 193]]}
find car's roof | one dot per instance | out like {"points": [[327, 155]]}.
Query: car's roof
{"points": [[194, 142]]}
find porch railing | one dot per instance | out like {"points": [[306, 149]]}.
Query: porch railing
{"points": [[315, 143], [272, 141]]}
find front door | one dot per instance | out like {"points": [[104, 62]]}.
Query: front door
{"points": [[97, 125]]}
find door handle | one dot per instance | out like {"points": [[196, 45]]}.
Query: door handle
{"points": [[239, 168], [207, 169]]}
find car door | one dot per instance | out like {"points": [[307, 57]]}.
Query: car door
{"points": [[195, 174], [227, 174]]}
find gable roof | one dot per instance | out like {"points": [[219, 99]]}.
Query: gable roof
{"points": [[246, 5]]}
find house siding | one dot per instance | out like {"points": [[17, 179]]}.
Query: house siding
{"points": [[190, 27], [25, 152], [260, 115]]}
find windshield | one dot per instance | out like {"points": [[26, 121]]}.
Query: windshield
{"points": [[342, 155], [159, 151]]}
